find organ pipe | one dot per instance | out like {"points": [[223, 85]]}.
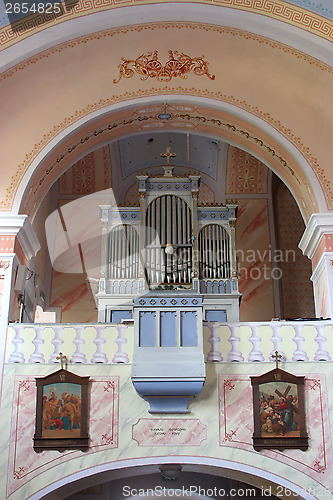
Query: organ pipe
{"points": [[170, 217], [214, 252], [123, 257]]}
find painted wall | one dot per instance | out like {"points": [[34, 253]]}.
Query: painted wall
{"points": [[219, 425]]}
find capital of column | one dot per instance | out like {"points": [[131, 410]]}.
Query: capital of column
{"points": [[19, 226], [318, 228]]}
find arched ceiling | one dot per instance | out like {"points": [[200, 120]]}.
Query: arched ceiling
{"points": [[142, 151], [254, 91], [321, 7]]}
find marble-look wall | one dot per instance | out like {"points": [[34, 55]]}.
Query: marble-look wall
{"points": [[223, 409], [70, 289], [254, 257], [39, 227]]}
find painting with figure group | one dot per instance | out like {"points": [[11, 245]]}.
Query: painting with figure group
{"points": [[279, 411], [61, 410], [278, 407]]}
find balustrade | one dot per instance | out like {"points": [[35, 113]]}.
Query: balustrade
{"points": [[294, 340], [82, 343], [229, 342]]}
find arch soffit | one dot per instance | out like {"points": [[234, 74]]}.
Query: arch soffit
{"points": [[131, 468], [196, 115]]}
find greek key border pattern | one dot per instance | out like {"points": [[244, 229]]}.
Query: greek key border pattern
{"points": [[276, 9], [165, 25]]}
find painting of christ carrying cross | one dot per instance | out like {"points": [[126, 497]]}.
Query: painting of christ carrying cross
{"points": [[278, 409], [279, 413]]}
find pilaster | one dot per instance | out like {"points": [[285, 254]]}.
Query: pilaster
{"points": [[317, 244], [18, 244]]}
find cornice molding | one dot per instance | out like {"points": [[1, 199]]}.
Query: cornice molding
{"points": [[318, 225], [20, 226]]}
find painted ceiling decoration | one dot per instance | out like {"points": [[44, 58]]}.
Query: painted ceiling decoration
{"points": [[149, 66], [314, 16], [42, 180]]}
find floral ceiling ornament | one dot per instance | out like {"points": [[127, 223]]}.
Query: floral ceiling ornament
{"points": [[148, 66]]}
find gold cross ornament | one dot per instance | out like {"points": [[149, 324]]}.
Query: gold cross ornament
{"points": [[277, 357], [62, 358], [168, 155]]}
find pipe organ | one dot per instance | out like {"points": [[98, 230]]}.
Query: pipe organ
{"points": [[170, 244], [169, 265]]}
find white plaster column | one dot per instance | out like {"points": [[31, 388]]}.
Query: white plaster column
{"points": [[17, 241], [317, 244]]}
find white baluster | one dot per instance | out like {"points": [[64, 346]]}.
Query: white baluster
{"points": [[276, 340], [121, 356], [214, 355], [37, 356], [78, 356], [234, 354], [255, 354], [17, 356], [321, 353], [57, 341], [299, 354], [99, 356]]}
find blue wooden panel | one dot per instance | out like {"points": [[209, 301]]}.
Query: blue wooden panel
{"points": [[216, 315], [168, 329], [147, 327], [117, 316], [188, 328]]}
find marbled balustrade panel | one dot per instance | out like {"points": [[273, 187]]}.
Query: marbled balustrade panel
{"points": [[236, 425], [24, 463], [254, 256], [301, 468]]}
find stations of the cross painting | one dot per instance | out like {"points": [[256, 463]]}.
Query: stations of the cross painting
{"points": [[168, 155], [63, 359]]}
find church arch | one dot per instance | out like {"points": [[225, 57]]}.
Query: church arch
{"points": [[217, 119], [126, 469]]}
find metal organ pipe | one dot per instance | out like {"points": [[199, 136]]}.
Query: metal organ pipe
{"points": [[186, 240], [123, 253], [180, 251], [214, 252], [148, 243], [170, 217]]}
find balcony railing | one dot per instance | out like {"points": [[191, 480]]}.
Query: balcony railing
{"points": [[223, 342]]}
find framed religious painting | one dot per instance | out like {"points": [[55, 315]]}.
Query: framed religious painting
{"points": [[279, 413], [61, 412]]}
